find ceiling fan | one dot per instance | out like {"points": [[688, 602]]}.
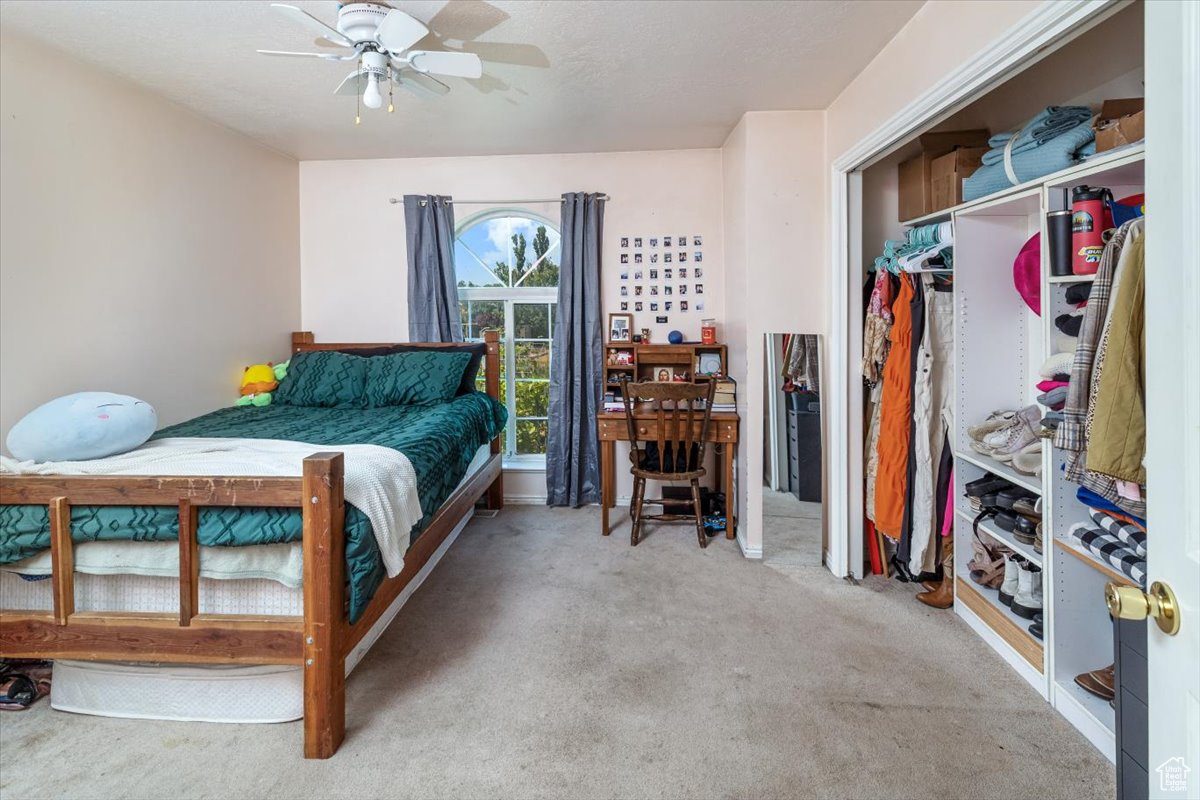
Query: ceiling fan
{"points": [[378, 37]]}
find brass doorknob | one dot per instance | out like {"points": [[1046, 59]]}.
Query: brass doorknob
{"points": [[1130, 602]]}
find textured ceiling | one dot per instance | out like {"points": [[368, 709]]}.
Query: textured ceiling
{"points": [[558, 76]]}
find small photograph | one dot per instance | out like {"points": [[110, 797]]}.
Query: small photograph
{"points": [[624, 258], [668, 290], [653, 274], [683, 257], [666, 258], [697, 241], [653, 242], [654, 291], [654, 258], [637, 241], [683, 288], [683, 305], [663, 376], [683, 272], [637, 258], [668, 274], [661, 320], [666, 241], [624, 305], [624, 241], [637, 291], [698, 272], [697, 256], [699, 305], [667, 305], [624, 275], [654, 306], [624, 291], [637, 306], [637, 275], [699, 288]]}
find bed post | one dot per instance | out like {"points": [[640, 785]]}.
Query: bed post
{"points": [[324, 605], [495, 492]]}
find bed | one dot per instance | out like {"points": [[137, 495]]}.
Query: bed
{"points": [[346, 595]]}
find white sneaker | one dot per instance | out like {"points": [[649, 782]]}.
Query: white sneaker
{"points": [[1010, 587], [1029, 592]]}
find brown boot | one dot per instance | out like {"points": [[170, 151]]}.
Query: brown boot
{"points": [[942, 596]]}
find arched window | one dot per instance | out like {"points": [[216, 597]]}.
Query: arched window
{"points": [[507, 264]]}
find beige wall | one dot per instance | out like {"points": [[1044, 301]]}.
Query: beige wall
{"points": [[352, 238], [145, 250], [775, 191]]}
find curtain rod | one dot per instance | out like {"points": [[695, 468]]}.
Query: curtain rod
{"points": [[395, 200]]}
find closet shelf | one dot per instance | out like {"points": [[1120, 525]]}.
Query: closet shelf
{"points": [[1068, 545], [1069, 279], [1088, 703], [1030, 482], [1121, 167], [1003, 537], [985, 603]]}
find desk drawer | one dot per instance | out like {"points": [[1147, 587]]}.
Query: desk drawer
{"points": [[615, 429]]}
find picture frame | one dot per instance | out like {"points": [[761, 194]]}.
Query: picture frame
{"points": [[666, 258], [666, 241], [624, 241], [682, 256], [637, 241], [698, 256], [653, 241], [624, 258], [637, 306], [620, 327], [697, 241], [654, 258], [663, 375]]}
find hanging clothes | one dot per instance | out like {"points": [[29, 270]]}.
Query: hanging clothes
{"points": [[918, 332], [800, 362], [894, 418]]}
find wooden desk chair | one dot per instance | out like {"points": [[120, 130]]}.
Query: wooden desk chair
{"points": [[678, 431]]}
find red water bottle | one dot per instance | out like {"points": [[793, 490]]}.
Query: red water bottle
{"points": [[1090, 217]]}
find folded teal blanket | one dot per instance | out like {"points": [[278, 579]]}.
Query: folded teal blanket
{"points": [[439, 440], [1049, 124], [1030, 159]]}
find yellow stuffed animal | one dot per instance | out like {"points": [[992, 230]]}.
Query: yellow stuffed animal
{"points": [[258, 381]]}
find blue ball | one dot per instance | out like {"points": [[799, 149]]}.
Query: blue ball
{"points": [[674, 337]]}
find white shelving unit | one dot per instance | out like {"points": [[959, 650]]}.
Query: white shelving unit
{"points": [[1000, 345]]}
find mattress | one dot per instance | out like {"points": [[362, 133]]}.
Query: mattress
{"points": [[184, 692]]}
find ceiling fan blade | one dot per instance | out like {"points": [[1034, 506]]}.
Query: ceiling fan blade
{"points": [[354, 83], [399, 31], [326, 56], [421, 84], [442, 62], [312, 23]]}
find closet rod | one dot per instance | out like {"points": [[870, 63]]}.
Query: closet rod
{"points": [[395, 200]]}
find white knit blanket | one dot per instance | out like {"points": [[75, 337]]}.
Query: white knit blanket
{"points": [[379, 481]]}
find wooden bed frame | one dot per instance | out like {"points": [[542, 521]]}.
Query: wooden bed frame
{"points": [[320, 640]]}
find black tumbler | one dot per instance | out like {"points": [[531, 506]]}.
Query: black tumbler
{"points": [[1058, 223]]}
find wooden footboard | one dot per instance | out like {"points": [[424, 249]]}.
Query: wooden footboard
{"points": [[320, 640]]}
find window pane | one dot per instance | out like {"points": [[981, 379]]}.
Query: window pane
{"points": [[531, 436], [531, 320], [469, 266], [533, 360], [533, 398], [484, 314]]}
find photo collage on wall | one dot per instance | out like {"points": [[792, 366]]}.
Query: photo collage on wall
{"points": [[662, 275]]}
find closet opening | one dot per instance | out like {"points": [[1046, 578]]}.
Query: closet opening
{"points": [[793, 490]]}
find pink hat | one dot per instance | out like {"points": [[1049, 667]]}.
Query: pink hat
{"points": [[1027, 273]]}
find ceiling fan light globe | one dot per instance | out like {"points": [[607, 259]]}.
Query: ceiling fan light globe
{"points": [[372, 98]]}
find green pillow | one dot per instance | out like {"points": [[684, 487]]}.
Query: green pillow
{"points": [[326, 379], [415, 378]]}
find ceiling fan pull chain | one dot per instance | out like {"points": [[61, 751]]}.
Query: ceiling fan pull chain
{"points": [[391, 107], [358, 94]]}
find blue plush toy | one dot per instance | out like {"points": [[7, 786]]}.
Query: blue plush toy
{"points": [[82, 426]]}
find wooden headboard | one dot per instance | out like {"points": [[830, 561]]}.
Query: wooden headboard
{"points": [[304, 340]]}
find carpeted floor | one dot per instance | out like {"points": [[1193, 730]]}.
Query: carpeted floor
{"points": [[541, 660]]}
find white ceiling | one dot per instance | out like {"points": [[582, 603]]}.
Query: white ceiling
{"points": [[558, 76]]}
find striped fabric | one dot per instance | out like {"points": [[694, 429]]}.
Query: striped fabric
{"points": [[1111, 550], [1128, 533]]}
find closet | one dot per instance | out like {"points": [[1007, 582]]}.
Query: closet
{"points": [[1000, 359]]}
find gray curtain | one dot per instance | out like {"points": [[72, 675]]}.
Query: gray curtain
{"points": [[432, 289], [576, 376]]}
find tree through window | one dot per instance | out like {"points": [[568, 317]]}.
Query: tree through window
{"points": [[507, 266]]}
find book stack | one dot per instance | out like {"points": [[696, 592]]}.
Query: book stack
{"points": [[725, 395], [613, 402]]}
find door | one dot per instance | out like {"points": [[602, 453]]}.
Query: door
{"points": [[1173, 387]]}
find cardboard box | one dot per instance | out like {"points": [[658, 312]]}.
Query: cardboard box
{"points": [[1121, 122], [946, 174], [915, 191]]}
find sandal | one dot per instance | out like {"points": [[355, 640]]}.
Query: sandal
{"points": [[21, 689]]}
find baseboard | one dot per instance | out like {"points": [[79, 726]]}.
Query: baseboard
{"points": [[381, 624], [747, 550], [525, 499]]}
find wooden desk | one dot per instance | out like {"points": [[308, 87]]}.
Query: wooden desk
{"points": [[723, 430]]}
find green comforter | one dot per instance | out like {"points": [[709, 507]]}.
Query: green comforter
{"points": [[440, 441]]}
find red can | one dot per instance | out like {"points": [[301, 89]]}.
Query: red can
{"points": [[1090, 217]]}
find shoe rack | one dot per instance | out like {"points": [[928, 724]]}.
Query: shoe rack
{"points": [[1000, 344]]}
